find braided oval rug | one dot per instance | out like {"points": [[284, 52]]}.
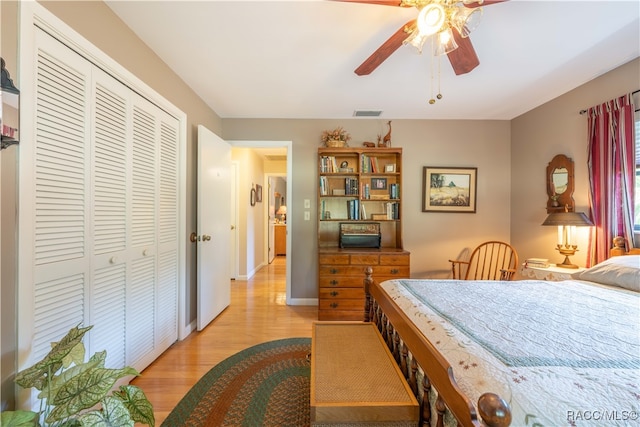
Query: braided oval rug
{"points": [[264, 385]]}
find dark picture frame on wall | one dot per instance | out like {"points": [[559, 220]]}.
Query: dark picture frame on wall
{"points": [[258, 193], [449, 189]]}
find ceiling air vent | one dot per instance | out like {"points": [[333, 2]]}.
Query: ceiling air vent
{"points": [[367, 113]]}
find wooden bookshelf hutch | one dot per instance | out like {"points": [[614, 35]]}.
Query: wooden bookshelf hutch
{"points": [[359, 188]]}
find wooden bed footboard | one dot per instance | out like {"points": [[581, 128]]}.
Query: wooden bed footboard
{"points": [[404, 339]]}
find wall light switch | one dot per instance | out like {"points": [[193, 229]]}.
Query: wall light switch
{"points": [[307, 216], [307, 203]]}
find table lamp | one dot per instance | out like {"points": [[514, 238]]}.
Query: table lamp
{"points": [[282, 211], [567, 233]]}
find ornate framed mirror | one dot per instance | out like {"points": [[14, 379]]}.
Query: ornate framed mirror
{"points": [[560, 184]]}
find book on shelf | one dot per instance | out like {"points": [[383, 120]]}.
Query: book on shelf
{"points": [[351, 186], [394, 191], [392, 210], [328, 164], [323, 186], [366, 191], [353, 209]]}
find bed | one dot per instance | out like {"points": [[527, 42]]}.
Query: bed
{"points": [[461, 344]]}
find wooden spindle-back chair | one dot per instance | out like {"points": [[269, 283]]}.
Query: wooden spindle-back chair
{"points": [[491, 260]]}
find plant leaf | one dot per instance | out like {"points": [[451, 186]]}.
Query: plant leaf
{"points": [[37, 375], [57, 382], [84, 391], [72, 422], [113, 414], [136, 401], [19, 419], [75, 356]]}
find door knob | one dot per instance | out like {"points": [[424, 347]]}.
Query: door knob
{"points": [[233, 227], [206, 237], [194, 237]]}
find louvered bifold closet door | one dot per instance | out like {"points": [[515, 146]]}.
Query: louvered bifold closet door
{"points": [[101, 219], [167, 320], [111, 132], [61, 206], [141, 297], [152, 292]]}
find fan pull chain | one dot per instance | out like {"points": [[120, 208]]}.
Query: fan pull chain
{"points": [[431, 69], [439, 96], [434, 58]]}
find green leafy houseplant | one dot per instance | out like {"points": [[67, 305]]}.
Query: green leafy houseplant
{"points": [[74, 393]]}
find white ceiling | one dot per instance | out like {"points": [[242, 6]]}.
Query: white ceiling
{"points": [[295, 59]]}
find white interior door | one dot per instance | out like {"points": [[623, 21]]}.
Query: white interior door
{"points": [[214, 221], [233, 236]]}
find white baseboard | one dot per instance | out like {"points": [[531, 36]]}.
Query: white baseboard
{"points": [[303, 301]]}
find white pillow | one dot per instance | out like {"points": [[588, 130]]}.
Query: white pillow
{"points": [[622, 271]]}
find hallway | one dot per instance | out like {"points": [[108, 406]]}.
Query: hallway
{"points": [[258, 313]]}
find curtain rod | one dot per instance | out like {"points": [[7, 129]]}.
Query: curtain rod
{"points": [[632, 93]]}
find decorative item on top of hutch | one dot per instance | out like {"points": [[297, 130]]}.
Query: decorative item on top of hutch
{"points": [[335, 138], [560, 184], [359, 225]]}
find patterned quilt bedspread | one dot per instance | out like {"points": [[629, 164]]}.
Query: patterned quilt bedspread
{"points": [[560, 353]]}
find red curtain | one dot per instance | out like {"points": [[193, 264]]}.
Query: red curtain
{"points": [[612, 174]]}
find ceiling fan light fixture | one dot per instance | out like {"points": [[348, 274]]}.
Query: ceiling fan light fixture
{"points": [[445, 42], [431, 19], [416, 40], [466, 20]]}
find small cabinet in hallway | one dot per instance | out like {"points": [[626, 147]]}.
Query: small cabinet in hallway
{"points": [[280, 239]]}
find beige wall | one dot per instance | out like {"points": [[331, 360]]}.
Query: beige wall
{"points": [[8, 217], [537, 136], [432, 238], [252, 219]]}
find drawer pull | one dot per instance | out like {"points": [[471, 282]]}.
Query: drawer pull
{"points": [[333, 282], [333, 305], [334, 271], [395, 271], [334, 293]]}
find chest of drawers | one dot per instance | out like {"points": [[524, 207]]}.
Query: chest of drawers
{"points": [[341, 278]]}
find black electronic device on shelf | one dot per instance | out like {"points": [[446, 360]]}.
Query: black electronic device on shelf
{"points": [[360, 235]]}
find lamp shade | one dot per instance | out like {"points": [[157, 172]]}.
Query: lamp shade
{"points": [[578, 219], [282, 210]]}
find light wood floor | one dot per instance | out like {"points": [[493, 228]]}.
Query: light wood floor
{"points": [[258, 313]]}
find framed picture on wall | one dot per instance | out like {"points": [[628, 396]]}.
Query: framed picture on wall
{"points": [[258, 193], [449, 189]]}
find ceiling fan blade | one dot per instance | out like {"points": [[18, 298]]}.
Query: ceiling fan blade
{"points": [[387, 48], [378, 2], [464, 58], [484, 3]]}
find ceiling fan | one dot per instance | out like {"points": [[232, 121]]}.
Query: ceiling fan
{"points": [[447, 23]]}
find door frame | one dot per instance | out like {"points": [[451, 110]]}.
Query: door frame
{"points": [[290, 200]]}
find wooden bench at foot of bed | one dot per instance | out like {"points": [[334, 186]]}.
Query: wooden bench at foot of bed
{"points": [[354, 379], [413, 351]]}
